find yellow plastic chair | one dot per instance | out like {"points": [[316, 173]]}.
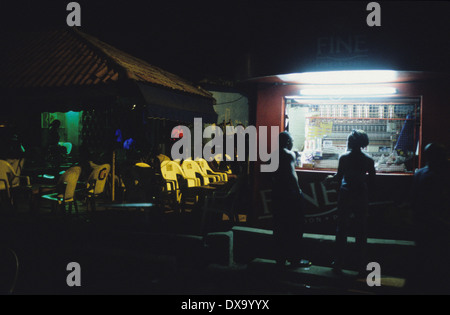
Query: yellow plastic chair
{"points": [[207, 170], [192, 169], [17, 165], [20, 185], [65, 190], [6, 175], [142, 164], [207, 179], [173, 170], [163, 158], [169, 176], [10, 180], [96, 183], [186, 193], [204, 186], [213, 178], [171, 192]]}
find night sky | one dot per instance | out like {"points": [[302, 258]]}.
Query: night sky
{"points": [[198, 39]]}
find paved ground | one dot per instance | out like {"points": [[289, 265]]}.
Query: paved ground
{"points": [[134, 252]]}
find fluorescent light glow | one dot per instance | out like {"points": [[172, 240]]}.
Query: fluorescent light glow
{"points": [[342, 77], [348, 90]]}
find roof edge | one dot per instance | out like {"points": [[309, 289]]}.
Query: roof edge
{"points": [[133, 76]]}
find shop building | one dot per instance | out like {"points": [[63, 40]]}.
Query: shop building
{"points": [[401, 111]]}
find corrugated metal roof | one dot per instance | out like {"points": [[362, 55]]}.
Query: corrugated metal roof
{"points": [[70, 57]]}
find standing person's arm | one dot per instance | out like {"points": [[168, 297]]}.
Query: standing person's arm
{"points": [[293, 174], [340, 173], [371, 173]]}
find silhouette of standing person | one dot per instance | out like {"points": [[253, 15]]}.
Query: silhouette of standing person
{"points": [[53, 133], [430, 205], [288, 208], [56, 152], [353, 196]]}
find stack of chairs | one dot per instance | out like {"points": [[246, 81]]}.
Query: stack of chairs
{"points": [[223, 176], [189, 181], [216, 179], [180, 187], [192, 169]]}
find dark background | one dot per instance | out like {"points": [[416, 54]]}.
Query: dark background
{"points": [[198, 39]]}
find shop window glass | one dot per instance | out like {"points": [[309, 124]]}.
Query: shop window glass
{"points": [[320, 129]]}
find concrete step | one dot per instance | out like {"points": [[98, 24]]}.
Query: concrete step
{"points": [[322, 279], [394, 256]]}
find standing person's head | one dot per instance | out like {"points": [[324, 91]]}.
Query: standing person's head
{"points": [[285, 140], [435, 155], [357, 139], [55, 124]]}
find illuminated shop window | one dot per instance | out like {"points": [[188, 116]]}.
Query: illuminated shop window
{"points": [[320, 129]]}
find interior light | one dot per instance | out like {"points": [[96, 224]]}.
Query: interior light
{"points": [[348, 90], [342, 77]]}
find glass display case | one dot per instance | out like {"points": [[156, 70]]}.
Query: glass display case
{"points": [[320, 129]]}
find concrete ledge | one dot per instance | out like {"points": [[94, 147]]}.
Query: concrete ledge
{"points": [[323, 278], [395, 256], [351, 239], [326, 237], [249, 243]]}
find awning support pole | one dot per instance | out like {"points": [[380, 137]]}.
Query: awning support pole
{"points": [[113, 175]]}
